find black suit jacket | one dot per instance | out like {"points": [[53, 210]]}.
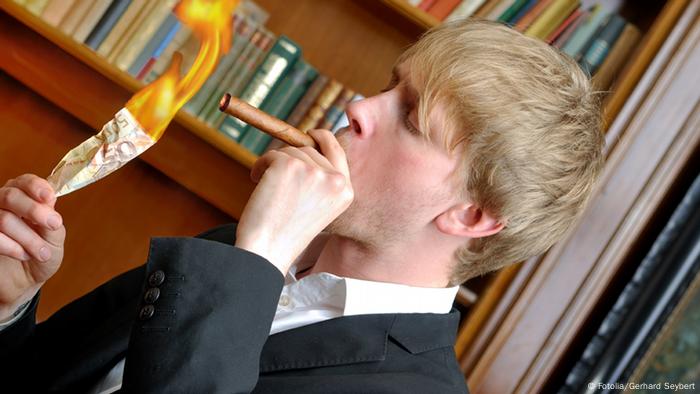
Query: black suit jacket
{"points": [[207, 332]]}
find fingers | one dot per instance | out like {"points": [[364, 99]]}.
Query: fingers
{"points": [[15, 229], [14, 198], [331, 149], [38, 188]]}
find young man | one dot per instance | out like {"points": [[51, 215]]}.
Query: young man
{"points": [[481, 152]]}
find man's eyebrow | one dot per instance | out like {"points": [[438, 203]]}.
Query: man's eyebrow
{"points": [[410, 93]]}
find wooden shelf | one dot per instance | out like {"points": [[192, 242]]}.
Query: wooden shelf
{"points": [[414, 14], [123, 79]]}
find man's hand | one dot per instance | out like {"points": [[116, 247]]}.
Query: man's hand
{"points": [[31, 240], [300, 191]]}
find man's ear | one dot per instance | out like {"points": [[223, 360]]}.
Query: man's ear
{"points": [[467, 220]]}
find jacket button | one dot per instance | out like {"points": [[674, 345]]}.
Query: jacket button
{"points": [[156, 278], [151, 295], [146, 312]]}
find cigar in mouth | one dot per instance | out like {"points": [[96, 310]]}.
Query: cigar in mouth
{"points": [[264, 122]]}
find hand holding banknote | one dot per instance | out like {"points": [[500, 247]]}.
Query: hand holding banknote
{"points": [[31, 240]]}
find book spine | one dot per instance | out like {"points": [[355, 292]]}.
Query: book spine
{"points": [[72, 19], [235, 79], [485, 9], [106, 23], [241, 32], [500, 8], [532, 15], [552, 17], [323, 102], [442, 8], [464, 10], [167, 29], [336, 109], [55, 11], [568, 22], [522, 12], [619, 53], [510, 12], [569, 31], [309, 98], [281, 103], [426, 4], [119, 28], [575, 45], [143, 33], [598, 50], [90, 20], [268, 75], [163, 59]]}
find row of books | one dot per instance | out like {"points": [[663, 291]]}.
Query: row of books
{"points": [[269, 72], [598, 38]]}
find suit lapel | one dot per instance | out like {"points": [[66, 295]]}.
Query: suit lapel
{"points": [[354, 339]]}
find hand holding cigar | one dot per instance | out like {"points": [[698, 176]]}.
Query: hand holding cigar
{"points": [[264, 122]]}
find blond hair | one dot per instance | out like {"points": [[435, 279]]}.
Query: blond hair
{"points": [[528, 124]]}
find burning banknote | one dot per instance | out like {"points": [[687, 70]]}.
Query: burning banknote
{"points": [[142, 121]]}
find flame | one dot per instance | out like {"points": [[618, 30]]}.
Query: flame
{"points": [[156, 104]]}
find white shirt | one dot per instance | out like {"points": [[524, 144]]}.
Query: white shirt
{"points": [[324, 296]]}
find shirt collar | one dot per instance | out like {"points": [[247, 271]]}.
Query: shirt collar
{"points": [[358, 297]]}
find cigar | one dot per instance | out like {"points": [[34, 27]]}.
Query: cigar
{"points": [[264, 122]]}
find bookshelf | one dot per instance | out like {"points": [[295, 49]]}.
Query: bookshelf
{"points": [[355, 41]]}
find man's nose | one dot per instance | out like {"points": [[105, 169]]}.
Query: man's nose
{"points": [[362, 118]]}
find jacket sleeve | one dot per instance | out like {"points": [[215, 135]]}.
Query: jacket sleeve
{"points": [[205, 329]]}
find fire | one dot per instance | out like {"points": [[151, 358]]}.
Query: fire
{"points": [[156, 104]]}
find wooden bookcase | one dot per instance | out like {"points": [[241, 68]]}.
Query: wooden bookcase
{"points": [[201, 178]]}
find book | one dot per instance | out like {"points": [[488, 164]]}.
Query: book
{"points": [[617, 57], [120, 27], [588, 27], [336, 109], [89, 21], [550, 18], [144, 29], [106, 23], [486, 8], [166, 31], [163, 59], [242, 31], [563, 26], [36, 7], [282, 56], [441, 8], [566, 34], [425, 4], [280, 103], [523, 23], [603, 41], [237, 76], [309, 98], [139, 33], [55, 11], [522, 12], [464, 10], [324, 100], [72, 18], [510, 12], [499, 9]]}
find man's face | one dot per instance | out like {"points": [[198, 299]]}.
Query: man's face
{"points": [[401, 180]]}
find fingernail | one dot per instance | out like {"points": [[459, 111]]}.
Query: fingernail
{"points": [[54, 222], [44, 194], [44, 253], [26, 256]]}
